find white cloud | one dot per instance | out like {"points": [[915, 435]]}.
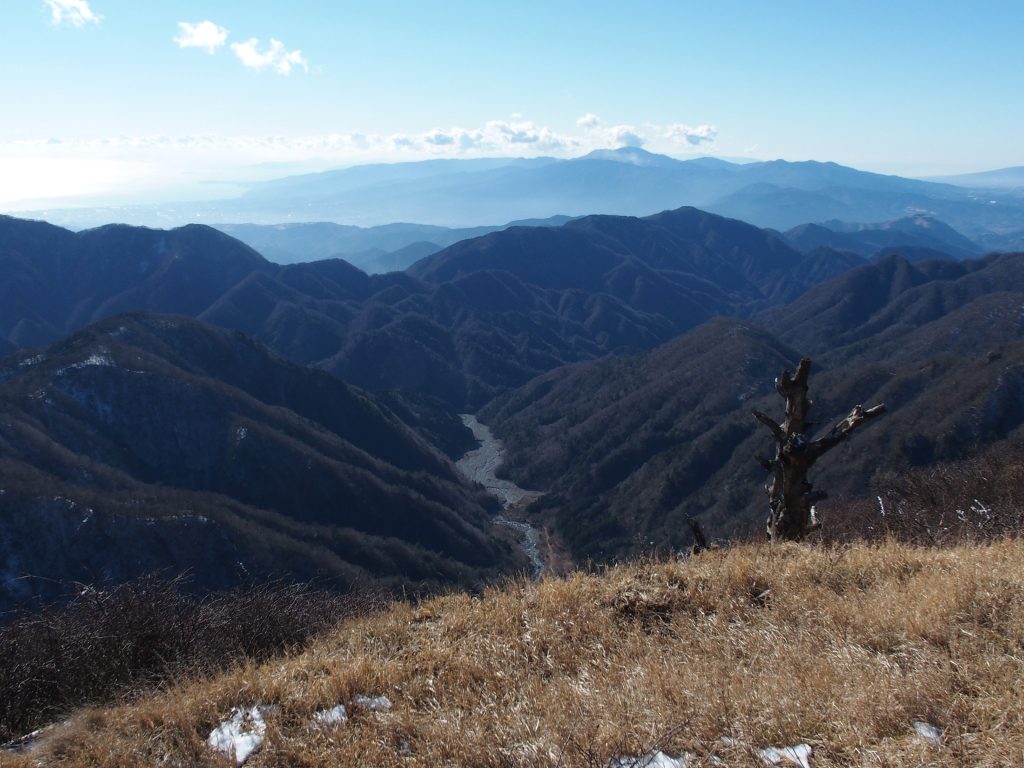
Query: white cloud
{"points": [[439, 138], [275, 55], [123, 163], [518, 133], [496, 137], [693, 136], [203, 34], [74, 12], [589, 120], [625, 136]]}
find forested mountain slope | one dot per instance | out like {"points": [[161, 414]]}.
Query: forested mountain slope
{"points": [[156, 442], [630, 447]]}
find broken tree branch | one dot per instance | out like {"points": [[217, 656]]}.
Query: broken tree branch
{"points": [[843, 429], [768, 421]]}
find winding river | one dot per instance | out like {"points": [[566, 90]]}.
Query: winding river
{"points": [[479, 465]]}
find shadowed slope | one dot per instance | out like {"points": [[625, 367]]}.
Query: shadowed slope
{"points": [[629, 448], [153, 419]]}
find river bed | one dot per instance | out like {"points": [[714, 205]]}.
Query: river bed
{"points": [[480, 465]]}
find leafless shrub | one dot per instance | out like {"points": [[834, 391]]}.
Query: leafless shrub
{"points": [[970, 500], [114, 643]]}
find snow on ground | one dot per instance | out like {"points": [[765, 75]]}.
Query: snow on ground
{"points": [[373, 703], [331, 716], [653, 760], [103, 360], [928, 732], [799, 754], [30, 361], [241, 735]]}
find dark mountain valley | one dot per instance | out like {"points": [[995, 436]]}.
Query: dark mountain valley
{"points": [[617, 357]]}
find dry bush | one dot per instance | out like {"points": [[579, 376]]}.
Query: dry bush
{"points": [[841, 647], [976, 499], [107, 644]]}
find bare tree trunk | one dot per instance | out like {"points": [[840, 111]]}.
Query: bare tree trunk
{"points": [[791, 498]]}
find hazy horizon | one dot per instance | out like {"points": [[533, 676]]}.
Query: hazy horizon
{"points": [[124, 102]]}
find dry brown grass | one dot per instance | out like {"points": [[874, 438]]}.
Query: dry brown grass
{"points": [[840, 647]]}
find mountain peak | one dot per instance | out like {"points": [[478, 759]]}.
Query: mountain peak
{"points": [[631, 156]]}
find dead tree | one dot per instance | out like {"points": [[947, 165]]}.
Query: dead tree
{"points": [[791, 498]]}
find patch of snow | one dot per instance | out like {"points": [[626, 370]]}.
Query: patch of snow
{"points": [[184, 517], [331, 716], [92, 360], [928, 732], [97, 360], [798, 754], [373, 703], [88, 516], [653, 760], [241, 735], [30, 742], [30, 361]]}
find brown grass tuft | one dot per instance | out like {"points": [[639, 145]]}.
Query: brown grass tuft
{"points": [[843, 647]]}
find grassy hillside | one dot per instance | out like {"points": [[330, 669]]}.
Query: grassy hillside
{"points": [[720, 655]]}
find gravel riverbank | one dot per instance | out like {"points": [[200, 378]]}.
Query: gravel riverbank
{"points": [[480, 465]]}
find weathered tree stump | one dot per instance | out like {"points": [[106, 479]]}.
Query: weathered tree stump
{"points": [[791, 498]]}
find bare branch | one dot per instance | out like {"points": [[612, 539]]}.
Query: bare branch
{"points": [[843, 429], [777, 432]]}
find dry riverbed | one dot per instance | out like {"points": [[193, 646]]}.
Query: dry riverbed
{"points": [[480, 466]]}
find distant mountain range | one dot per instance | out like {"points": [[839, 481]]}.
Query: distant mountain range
{"points": [[150, 442], [1001, 179], [385, 248], [916, 237], [394, 247], [628, 181]]}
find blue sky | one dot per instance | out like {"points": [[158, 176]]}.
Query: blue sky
{"points": [[116, 99]]}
